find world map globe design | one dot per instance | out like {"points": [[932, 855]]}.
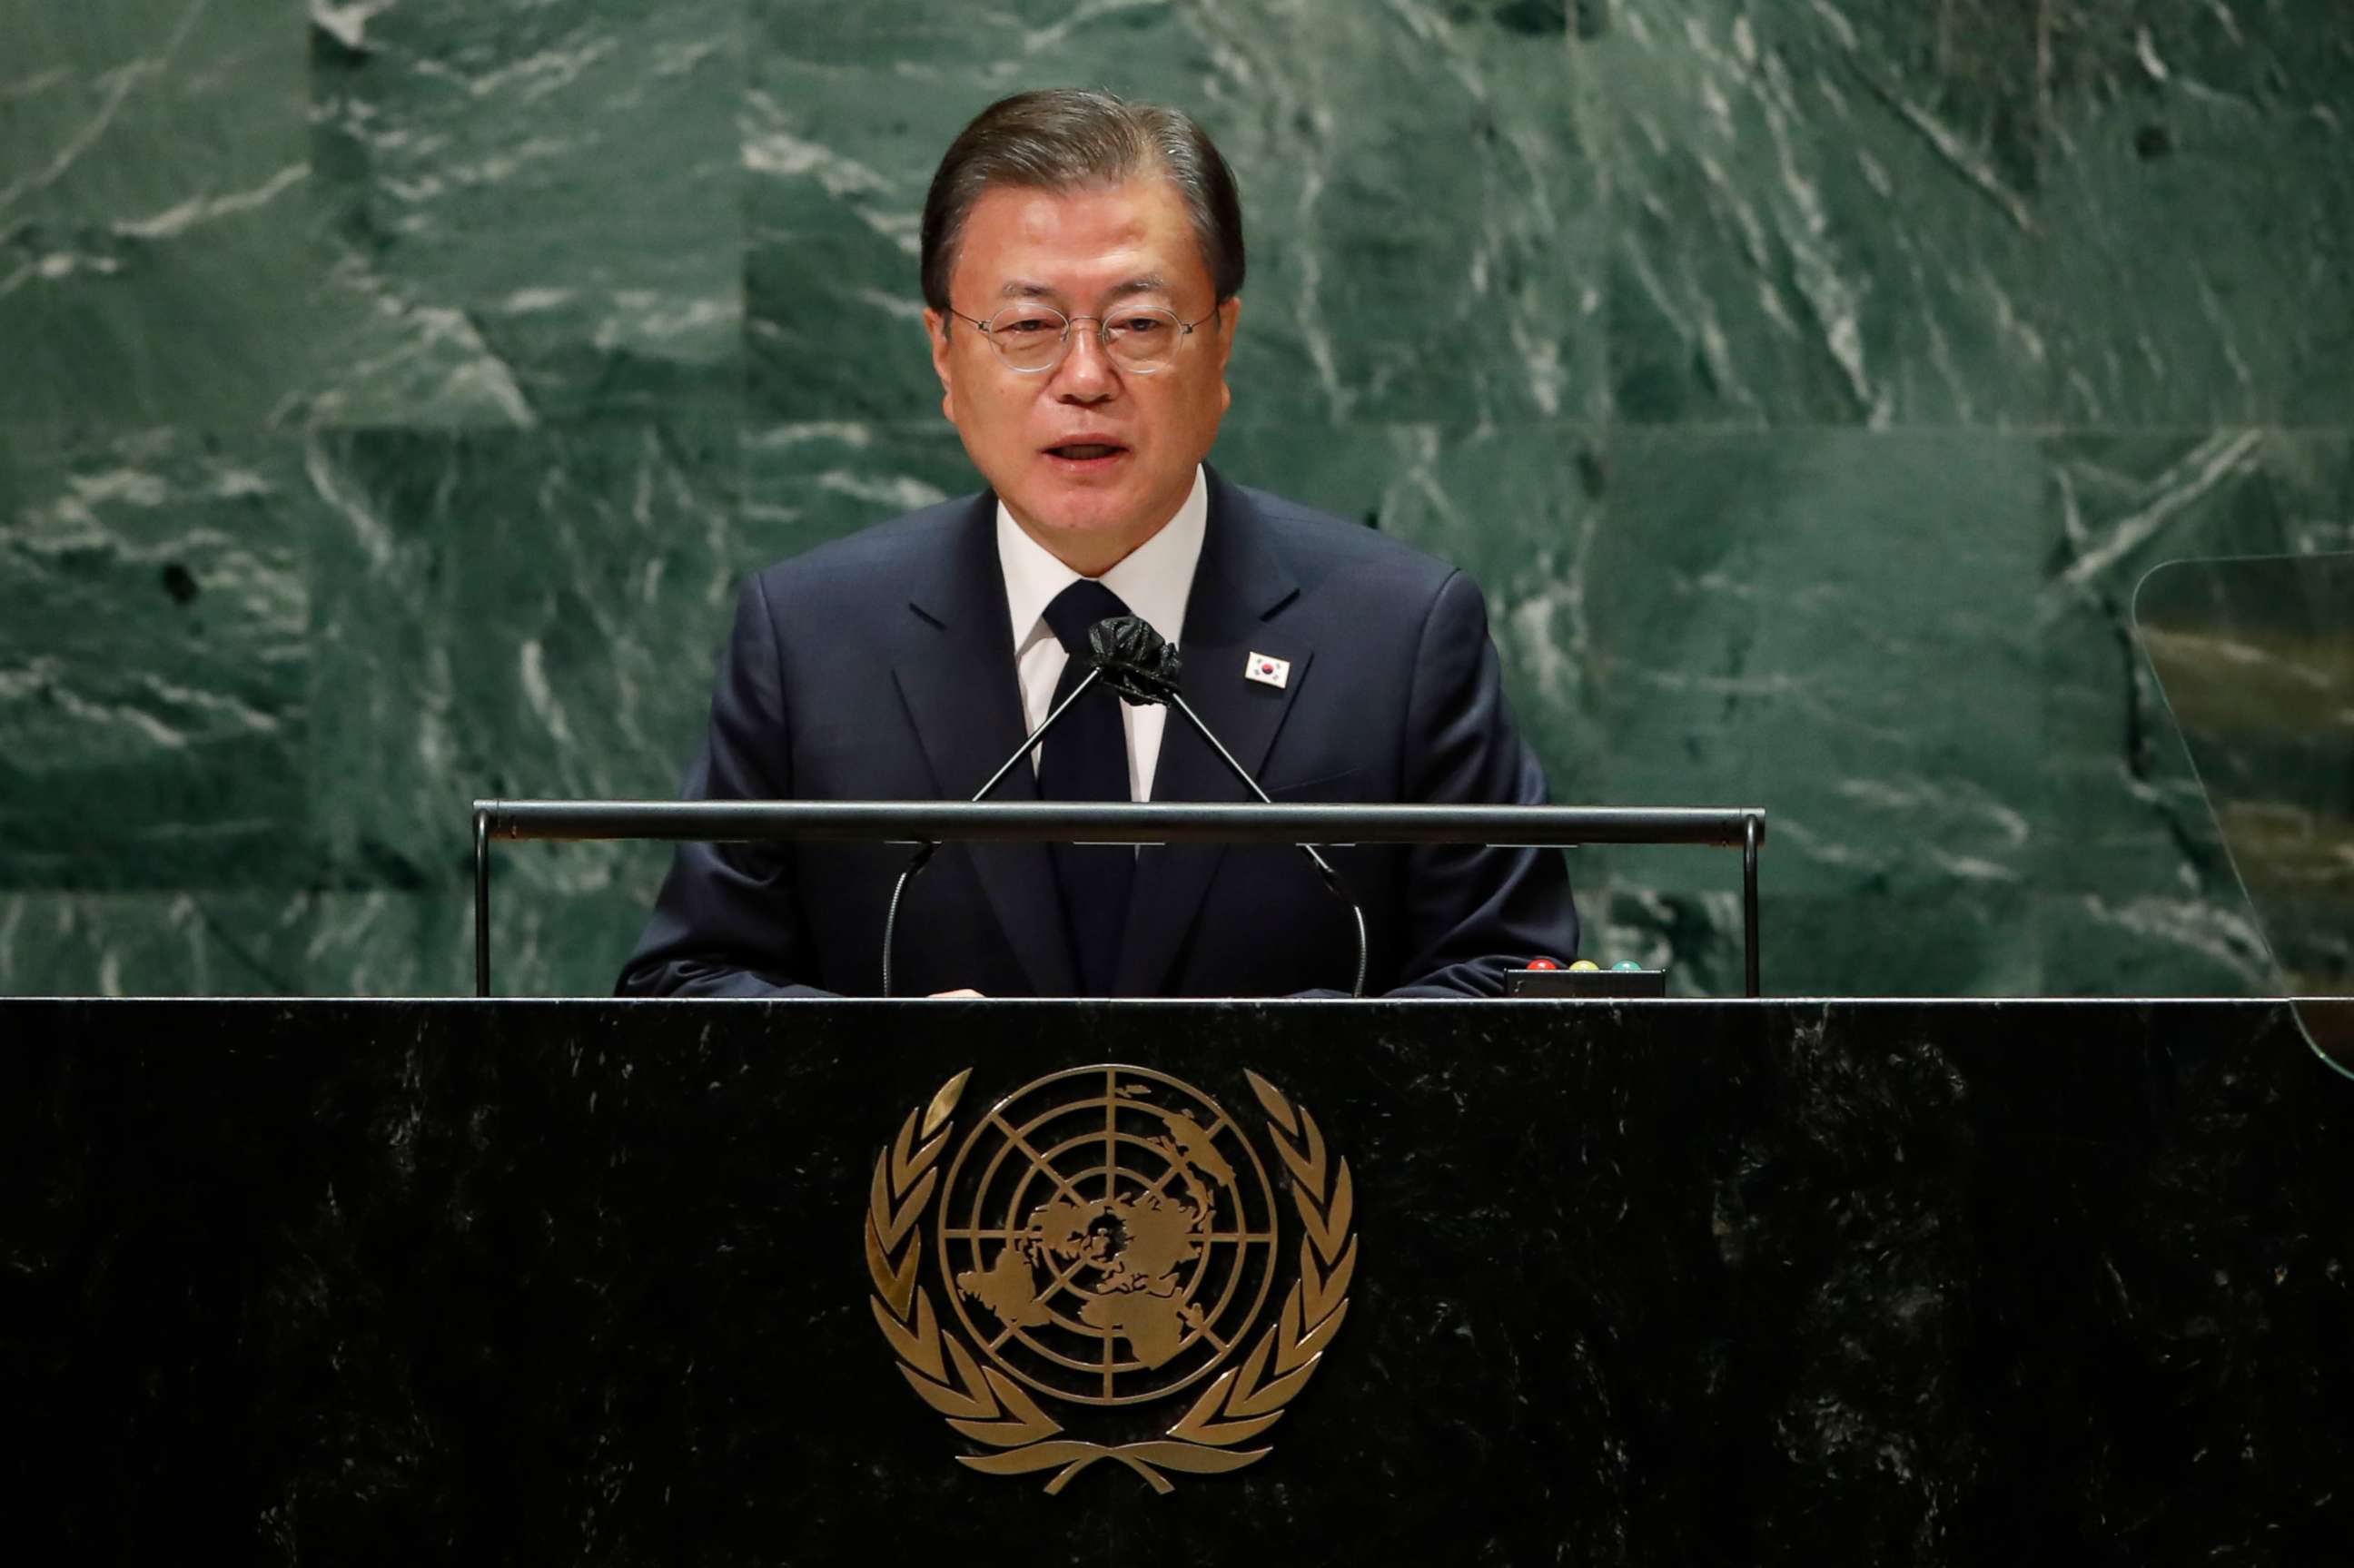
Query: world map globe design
{"points": [[1108, 1234]]}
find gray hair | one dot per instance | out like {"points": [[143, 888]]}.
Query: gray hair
{"points": [[1066, 139]]}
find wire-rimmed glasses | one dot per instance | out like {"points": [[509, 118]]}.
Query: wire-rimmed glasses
{"points": [[1033, 338]]}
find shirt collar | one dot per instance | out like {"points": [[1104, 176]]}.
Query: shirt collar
{"points": [[1154, 580]]}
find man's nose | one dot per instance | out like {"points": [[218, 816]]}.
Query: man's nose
{"points": [[1086, 375]]}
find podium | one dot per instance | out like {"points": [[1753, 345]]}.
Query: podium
{"points": [[1625, 1282]]}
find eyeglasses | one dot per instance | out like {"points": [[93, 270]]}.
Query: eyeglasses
{"points": [[1034, 339]]}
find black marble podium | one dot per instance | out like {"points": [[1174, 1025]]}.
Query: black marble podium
{"points": [[1637, 1283]]}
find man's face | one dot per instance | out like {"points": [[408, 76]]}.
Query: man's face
{"points": [[1086, 253]]}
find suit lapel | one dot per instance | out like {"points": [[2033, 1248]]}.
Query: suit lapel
{"points": [[956, 676], [1237, 585]]}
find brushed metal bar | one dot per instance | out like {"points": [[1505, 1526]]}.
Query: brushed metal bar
{"points": [[1149, 823]]}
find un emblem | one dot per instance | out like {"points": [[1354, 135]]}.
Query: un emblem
{"points": [[1107, 1241]]}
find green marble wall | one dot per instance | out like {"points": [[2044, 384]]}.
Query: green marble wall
{"points": [[391, 393]]}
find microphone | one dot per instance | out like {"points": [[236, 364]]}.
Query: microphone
{"points": [[1134, 659]]}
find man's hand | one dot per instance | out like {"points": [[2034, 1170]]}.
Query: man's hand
{"points": [[955, 995]]}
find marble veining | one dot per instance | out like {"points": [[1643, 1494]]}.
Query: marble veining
{"points": [[392, 393]]}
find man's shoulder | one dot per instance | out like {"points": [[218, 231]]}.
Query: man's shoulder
{"points": [[878, 556]]}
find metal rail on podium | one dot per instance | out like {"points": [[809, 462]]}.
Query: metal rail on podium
{"points": [[1147, 822]]}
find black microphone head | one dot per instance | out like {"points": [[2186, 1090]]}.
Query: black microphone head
{"points": [[1133, 660]]}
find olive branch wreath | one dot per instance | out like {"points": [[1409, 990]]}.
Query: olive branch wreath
{"points": [[989, 1406]]}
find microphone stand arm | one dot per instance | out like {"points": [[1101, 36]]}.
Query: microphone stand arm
{"points": [[1031, 744], [1323, 867]]}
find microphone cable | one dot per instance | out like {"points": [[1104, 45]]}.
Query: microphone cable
{"points": [[923, 852], [1324, 868]]}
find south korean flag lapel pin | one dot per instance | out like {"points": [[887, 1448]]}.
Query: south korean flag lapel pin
{"points": [[1268, 671]]}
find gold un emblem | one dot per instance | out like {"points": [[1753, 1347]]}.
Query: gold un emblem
{"points": [[1105, 1241]]}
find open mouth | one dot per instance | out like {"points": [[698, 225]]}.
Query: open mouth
{"points": [[1087, 451]]}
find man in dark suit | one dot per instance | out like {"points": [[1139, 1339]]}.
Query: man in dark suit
{"points": [[1082, 262]]}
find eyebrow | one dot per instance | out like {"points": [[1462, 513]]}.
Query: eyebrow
{"points": [[1149, 284]]}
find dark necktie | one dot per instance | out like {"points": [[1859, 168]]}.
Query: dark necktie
{"points": [[1085, 758]]}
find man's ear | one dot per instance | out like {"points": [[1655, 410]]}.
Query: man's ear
{"points": [[936, 327], [1229, 314]]}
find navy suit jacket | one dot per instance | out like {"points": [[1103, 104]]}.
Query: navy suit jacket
{"points": [[881, 667]]}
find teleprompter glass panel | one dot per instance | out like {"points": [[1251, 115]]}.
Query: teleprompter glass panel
{"points": [[2256, 656]]}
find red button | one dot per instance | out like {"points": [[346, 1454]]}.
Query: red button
{"points": [[1542, 964]]}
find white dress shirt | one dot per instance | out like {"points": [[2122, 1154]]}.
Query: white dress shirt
{"points": [[1154, 581]]}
